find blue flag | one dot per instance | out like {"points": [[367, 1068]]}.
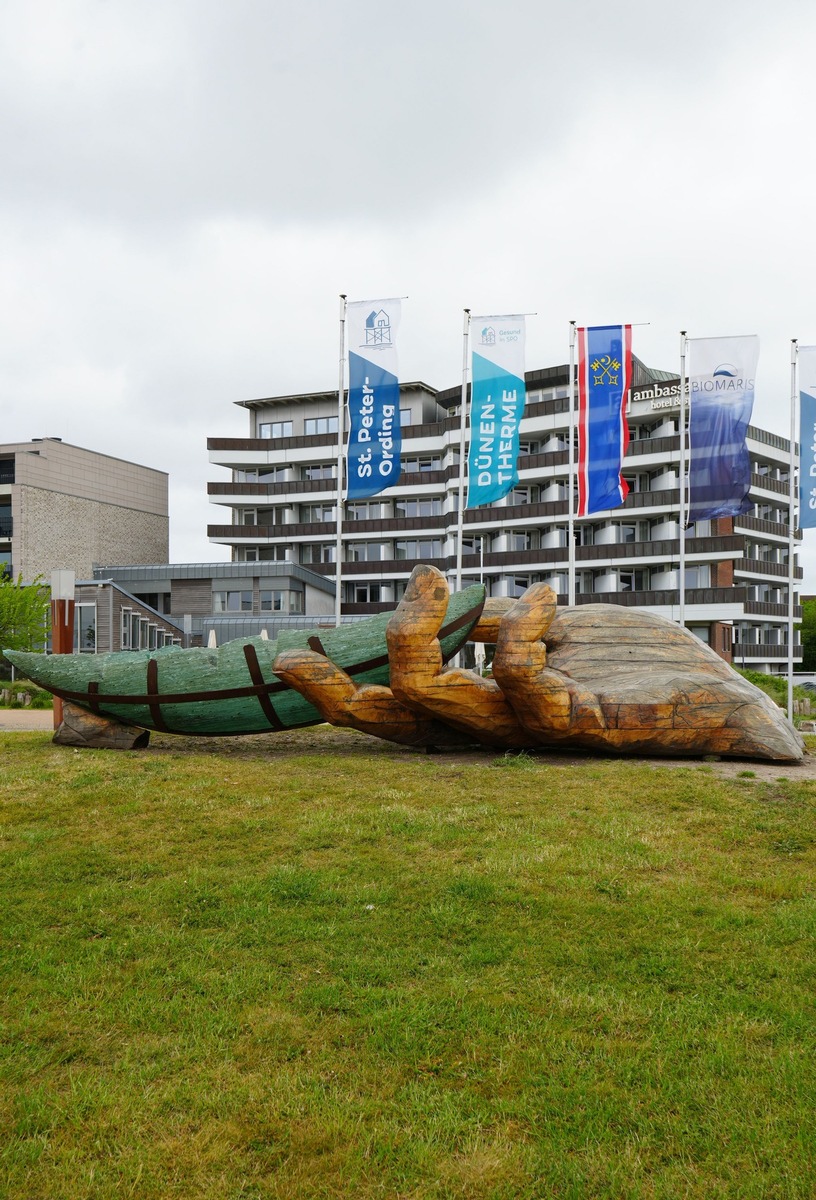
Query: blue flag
{"points": [[497, 403], [604, 379], [373, 398], [721, 398], [807, 437]]}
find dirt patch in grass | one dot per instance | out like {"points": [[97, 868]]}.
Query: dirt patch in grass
{"points": [[325, 739]]}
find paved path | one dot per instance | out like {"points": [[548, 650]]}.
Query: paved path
{"points": [[16, 719]]}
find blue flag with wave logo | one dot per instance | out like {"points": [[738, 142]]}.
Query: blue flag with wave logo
{"points": [[721, 375]]}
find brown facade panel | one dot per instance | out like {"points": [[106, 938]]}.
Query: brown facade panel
{"points": [[193, 596]]}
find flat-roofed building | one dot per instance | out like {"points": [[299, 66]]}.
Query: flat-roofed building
{"points": [[62, 506]]}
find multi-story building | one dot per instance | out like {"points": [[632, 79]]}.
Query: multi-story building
{"points": [[62, 506], [283, 491]]}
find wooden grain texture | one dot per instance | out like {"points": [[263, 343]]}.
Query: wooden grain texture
{"points": [[599, 676], [81, 728]]}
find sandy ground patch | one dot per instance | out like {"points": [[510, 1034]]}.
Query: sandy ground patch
{"points": [[326, 740]]}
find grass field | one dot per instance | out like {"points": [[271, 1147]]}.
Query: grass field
{"points": [[316, 966]]}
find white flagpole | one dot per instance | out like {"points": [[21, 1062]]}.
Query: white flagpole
{"points": [[682, 571], [341, 413], [460, 524], [792, 520], [571, 483]]}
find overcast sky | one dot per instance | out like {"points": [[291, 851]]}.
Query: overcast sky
{"points": [[187, 186]]}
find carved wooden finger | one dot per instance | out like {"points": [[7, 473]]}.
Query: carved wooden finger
{"points": [[548, 703], [367, 707], [461, 699]]}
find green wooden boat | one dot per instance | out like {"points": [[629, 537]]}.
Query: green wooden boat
{"points": [[231, 690]]}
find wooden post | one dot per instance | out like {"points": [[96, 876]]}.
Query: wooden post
{"points": [[62, 623]]}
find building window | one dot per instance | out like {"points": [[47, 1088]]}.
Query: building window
{"points": [[633, 581], [124, 629], [310, 513], [698, 576], [281, 600], [275, 429], [518, 585], [319, 471], [427, 548], [430, 506], [274, 553], [411, 466], [317, 552], [522, 539], [363, 593], [260, 474], [523, 495], [367, 551], [405, 416], [371, 510], [314, 425], [232, 602]]}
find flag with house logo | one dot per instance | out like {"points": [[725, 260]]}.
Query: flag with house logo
{"points": [[721, 373], [604, 380], [807, 437], [497, 403], [373, 453]]}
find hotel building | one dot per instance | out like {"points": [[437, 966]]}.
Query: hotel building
{"points": [[282, 491]]}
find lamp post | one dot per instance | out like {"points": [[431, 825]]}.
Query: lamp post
{"points": [[62, 623]]}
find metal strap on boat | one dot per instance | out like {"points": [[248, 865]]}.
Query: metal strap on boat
{"points": [[256, 675], [154, 700]]}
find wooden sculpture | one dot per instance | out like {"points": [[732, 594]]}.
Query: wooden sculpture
{"points": [[598, 676]]}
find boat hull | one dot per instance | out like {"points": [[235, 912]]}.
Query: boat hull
{"points": [[233, 689]]}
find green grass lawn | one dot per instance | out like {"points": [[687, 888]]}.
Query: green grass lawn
{"points": [[314, 965]]}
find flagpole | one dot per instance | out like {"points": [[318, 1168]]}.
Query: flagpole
{"points": [[460, 524], [792, 521], [571, 484], [682, 571], [338, 549]]}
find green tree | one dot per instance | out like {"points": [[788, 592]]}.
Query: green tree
{"points": [[25, 611], [808, 635]]}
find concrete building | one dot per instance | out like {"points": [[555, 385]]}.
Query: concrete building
{"points": [[282, 492], [62, 506], [230, 599]]}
